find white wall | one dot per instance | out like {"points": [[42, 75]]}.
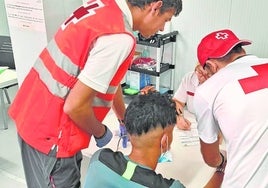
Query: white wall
{"points": [[3, 20], [28, 41], [246, 18]]}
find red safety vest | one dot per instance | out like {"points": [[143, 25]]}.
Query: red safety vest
{"points": [[38, 106]]}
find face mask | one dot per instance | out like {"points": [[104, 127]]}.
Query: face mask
{"points": [[165, 157]]}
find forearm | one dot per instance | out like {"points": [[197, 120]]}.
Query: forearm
{"points": [[211, 154], [85, 119], [183, 123], [215, 181], [179, 105], [217, 178], [78, 106], [215, 162], [118, 106]]}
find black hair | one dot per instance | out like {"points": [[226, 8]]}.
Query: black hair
{"points": [[146, 112], [228, 57], [166, 6]]}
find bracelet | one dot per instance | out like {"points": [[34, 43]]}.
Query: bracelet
{"points": [[220, 169], [222, 160]]}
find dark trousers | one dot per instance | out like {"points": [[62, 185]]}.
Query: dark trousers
{"points": [[47, 171]]}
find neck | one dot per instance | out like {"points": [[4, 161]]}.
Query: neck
{"points": [[239, 57], [146, 157]]}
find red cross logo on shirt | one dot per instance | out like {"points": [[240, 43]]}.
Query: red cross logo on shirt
{"points": [[258, 82], [82, 12]]}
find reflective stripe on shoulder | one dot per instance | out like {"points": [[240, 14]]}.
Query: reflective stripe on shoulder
{"points": [[132, 172], [129, 170]]}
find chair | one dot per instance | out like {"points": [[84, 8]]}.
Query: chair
{"points": [[6, 59]]}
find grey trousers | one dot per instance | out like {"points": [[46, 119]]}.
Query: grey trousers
{"points": [[47, 171]]}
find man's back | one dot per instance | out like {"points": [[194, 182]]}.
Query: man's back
{"points": [[235, 101]]}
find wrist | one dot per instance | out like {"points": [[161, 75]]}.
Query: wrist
{"points": [[180, 112], [121, 121], [105, 130], [105, 138], [222, 160], [220, 169]]}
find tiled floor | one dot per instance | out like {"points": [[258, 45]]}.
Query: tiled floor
{"points": [[11, 171]]}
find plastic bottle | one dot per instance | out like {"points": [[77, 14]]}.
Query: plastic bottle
{"points": [[145, 52]]}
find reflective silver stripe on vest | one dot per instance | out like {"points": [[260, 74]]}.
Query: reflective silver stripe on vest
{"points": [[101, 102], [111, 89], [98, 102], [60, 90], [54, 87], [62, 60]]}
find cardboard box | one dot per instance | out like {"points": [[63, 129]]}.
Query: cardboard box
{"points": [[137, 80]]}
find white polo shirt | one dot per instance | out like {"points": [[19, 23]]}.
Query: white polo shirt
{"points": [[235, 101], [186, 91], [107, 54]]}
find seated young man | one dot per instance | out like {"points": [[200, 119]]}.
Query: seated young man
{"points": [[149, 120]]}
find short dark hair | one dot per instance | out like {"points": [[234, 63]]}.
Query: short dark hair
{"points": [[228, 57], [167, 5], [146, 112]]}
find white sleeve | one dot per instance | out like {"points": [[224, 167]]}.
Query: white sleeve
{"points": [[206, 124], [105, 57], [181, 92]]}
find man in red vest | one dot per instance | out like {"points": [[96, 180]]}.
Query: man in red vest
{"points": [[76, 81]]}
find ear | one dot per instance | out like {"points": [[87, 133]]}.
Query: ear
{"points": [[213, 66], [156, 6], [164, 142]]}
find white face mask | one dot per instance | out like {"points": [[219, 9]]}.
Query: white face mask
{"points": [[165, 157]]}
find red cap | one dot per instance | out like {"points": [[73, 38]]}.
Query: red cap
{"points": [[217, 44]]}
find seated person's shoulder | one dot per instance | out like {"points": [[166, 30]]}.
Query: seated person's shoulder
{"points": [[97, 154]]}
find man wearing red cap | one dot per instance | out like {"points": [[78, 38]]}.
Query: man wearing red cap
{"points": [[234, 101]]}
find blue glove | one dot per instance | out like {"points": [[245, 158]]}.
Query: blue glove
{"points": [[123, 135], [104, 139]]}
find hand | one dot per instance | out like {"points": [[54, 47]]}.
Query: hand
{"points": [[105, 138], [183, 123], [123, 135], [202, 75]]}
